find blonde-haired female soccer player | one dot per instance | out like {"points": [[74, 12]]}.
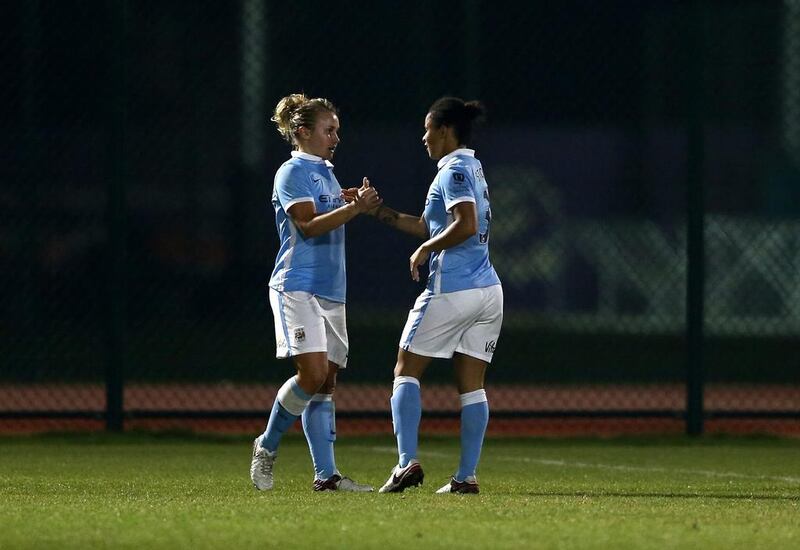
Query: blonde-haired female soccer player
{"points": [[307, 287], [460, 312]]}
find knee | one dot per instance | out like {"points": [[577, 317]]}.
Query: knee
{"points": [[318, 380], [404, 370], [314, 379], [328, 386], [410, 365]]}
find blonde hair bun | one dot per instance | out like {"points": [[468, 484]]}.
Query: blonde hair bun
{"points": [[297, 110]]}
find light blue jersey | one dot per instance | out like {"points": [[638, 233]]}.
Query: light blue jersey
{"points": [[315, 265], [467, 265]]}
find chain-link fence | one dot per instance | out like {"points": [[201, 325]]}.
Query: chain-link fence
{"points": [[136, 234]]}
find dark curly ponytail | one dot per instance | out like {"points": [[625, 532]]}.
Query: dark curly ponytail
{"points": [[458, 114]]}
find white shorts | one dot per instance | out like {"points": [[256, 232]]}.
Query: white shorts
{"points": [[467, 321], [305, 323]]}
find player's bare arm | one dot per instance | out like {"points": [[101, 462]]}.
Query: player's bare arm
{"points": [[464, 226], [311, 224], [413, 225]]}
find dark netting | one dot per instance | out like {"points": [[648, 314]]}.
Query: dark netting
{"points": [[136, 234], [751, 229]]}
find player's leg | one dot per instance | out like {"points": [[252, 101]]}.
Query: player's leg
{"points": [[470, 361], [406, 405], [292, 399], [294, 396], [300, 334], [320, 428], [470, 375], [319, 418], [432, 330], [429, 332]]}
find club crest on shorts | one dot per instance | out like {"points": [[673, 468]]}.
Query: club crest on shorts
{"points": [[299, 334]]}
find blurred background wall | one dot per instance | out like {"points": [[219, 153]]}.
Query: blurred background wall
{"points": [[136, 165]]}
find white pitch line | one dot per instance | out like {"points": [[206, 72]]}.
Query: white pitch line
{"points": [[656, 469], [616, 467]]}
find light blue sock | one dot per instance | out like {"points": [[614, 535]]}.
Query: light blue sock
{"points": [[289, 404], [406, 414], [474, 418], [319, 425]]}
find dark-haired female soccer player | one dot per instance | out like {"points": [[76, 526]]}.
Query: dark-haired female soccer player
{"points": [[307, 288], [460, 312]]}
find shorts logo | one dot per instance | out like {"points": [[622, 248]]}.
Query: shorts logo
{"points": [[299, 334], [490, 346]]}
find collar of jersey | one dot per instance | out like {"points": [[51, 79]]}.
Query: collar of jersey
{"points": [[312, 158], [447, 158]]}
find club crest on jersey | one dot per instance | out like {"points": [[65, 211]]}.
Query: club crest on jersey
{"points": [[299, 334], [458, 177]]}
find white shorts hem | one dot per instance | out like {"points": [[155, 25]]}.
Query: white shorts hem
{"points": [[476, 354], [435, 355], [341, 363], [288, 354]]}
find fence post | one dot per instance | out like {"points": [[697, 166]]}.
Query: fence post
{"points": [[695, 244], [116, 289]]}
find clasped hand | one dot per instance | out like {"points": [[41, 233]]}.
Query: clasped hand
{"points": [[365, 197]]}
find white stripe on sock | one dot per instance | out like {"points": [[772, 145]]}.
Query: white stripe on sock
{"points": [[289, 399], [404, 380], [470, 398], [322, 397]]}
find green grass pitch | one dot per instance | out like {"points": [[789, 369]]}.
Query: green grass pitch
{"points": [[144, 491]]}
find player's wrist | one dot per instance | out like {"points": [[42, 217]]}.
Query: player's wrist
{"points": [[362, 208], [352, 208]]}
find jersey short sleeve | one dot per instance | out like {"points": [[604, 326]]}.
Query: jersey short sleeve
{"points": [[457, 186], [292, 185]]}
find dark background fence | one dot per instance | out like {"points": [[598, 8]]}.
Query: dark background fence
{"points": [[630, 147]]}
